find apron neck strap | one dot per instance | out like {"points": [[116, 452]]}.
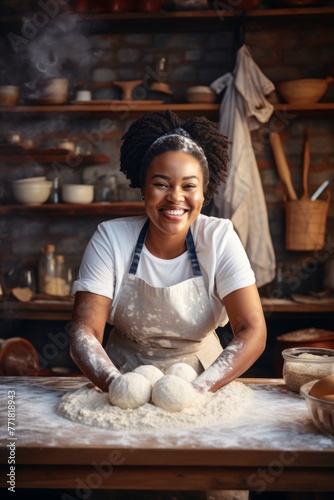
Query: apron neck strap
{"points": [[140, 243]]}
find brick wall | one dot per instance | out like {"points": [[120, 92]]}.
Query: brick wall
{"points": [[285, 52]]}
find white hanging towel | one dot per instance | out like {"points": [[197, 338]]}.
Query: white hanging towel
{"points": [[241, 199]]}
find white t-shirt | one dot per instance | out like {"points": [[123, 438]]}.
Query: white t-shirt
{"points": [[222, 258]]}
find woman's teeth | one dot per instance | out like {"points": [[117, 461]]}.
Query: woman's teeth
{"points": [[174, 212]]}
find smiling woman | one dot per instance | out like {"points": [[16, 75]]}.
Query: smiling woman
{"points": [[167, 280]]}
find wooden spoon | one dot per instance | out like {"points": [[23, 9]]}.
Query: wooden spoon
{"points": [[306, 166], [281, 164]]}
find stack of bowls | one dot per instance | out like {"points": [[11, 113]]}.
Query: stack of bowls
{"points": [[32, 191]]}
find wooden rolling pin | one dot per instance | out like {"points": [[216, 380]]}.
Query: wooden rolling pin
{"points": [[281, 164]]}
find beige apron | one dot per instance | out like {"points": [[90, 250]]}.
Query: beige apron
{"points": [[162, 326]]}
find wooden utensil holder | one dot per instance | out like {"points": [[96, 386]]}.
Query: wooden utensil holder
{"points": [[305, 223]]}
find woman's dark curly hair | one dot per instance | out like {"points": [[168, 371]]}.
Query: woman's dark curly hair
{"points": [[139, 147]]}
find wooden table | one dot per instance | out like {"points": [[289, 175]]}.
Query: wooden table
{"points": [[274, 447]]}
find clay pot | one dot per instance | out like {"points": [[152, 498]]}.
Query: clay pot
{"points": [[9, 95]]}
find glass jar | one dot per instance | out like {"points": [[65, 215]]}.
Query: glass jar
{"points": [[106, 188], [47, 271]]}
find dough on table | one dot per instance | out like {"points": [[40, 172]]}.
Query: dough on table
{"points": [[172, 393], [182, 370], [151, 372], [130, 390]]}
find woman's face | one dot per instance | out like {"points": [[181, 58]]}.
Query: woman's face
{"points": [[173, 191]]}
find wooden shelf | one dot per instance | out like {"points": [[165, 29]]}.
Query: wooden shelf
{"points": [[202, 20], [49, 159], [113, 209], [133, 110]]}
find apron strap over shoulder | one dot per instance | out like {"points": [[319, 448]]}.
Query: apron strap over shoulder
{"points": [[139, 247], [140, 243], [192, 254]]}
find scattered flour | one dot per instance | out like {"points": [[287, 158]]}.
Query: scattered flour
{"points": [[91, 407]]}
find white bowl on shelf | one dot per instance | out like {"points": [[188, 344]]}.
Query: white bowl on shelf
{"points": [[33, 193], [29, 180], [77, 193]]}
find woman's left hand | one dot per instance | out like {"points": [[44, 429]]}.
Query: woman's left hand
{"points": [[248, 324]]}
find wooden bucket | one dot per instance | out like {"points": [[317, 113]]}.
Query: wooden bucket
{"points": [[305, 223]]}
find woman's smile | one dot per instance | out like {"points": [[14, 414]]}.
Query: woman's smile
{"points": [[173, 192]]}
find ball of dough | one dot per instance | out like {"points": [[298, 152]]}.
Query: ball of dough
{"points": [[182, 370], [323, 387], [173, 393], [130, 390], [152, 373]]}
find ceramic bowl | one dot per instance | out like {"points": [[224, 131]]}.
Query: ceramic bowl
{"points": [[304, 364], [32, 193], [321, 411], [200, 94], [303, 91], [77, 193], [29, 180]]}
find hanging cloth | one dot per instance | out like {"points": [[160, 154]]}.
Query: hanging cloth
{"points": [[243, 108]]}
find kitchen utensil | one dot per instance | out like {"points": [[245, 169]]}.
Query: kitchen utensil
{"points": [[281, 164], [127, 88], [303, 91], [320, 189], [306, 166]]}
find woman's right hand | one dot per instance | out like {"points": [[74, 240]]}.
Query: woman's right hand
{"points": [[90, 313]]}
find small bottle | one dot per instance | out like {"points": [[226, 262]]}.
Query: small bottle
{"points": [[47, 271], [61, 278], [54, 195]]}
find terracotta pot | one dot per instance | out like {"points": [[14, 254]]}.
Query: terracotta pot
{"points": [[9, 95]]}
